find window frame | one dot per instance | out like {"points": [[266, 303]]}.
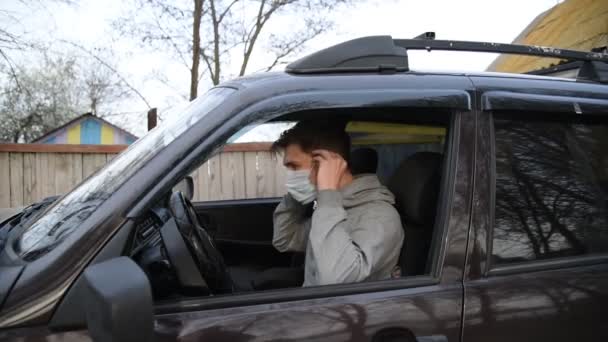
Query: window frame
{"points": [[494, 269], [437, 254]]}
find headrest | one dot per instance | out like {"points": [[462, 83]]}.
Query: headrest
{"points": [[363, 160], [415, 185]]}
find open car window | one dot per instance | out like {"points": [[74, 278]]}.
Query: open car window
{"points": [[237, 189], [246, 168]]}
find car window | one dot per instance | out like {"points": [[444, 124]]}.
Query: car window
{"points": [[66, 214], [409, 153], [551, 187], [247, 169]]}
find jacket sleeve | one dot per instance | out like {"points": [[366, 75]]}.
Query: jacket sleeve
{"points": [[291, 227], [343, 257]]}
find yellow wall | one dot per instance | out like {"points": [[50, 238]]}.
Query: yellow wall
{"points": [[74, 134], [107, 134], [573, 24]]}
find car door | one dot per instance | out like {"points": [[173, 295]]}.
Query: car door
{"points": [[242, 231], [538, 268], [425, 307]]}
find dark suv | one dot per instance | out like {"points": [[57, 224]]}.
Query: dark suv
{"points": [[501, 182]]}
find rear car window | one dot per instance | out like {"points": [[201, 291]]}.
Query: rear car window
{"points": [[551, 187]]}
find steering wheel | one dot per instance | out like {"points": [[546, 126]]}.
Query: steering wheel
{"points": [[206, 256]]}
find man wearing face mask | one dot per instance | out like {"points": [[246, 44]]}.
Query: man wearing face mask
{"points": [[354, 233]]}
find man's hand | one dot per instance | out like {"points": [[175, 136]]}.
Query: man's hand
{"points": [[329, 170]]}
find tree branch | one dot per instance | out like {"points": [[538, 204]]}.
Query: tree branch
{"points": [[104, 63], [252, 37], [226, 11], [215, 76], [286, 48], [261, 20], [170, 39], [207, 61], [13, 72], [196, 47]]}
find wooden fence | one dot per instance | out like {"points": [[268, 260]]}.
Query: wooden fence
{"points": [[30, 172]]}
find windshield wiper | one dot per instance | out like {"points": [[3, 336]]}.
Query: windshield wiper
{"points": [[21, 218]]}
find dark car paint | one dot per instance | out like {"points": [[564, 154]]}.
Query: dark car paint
{"points": [[555, 300], [428, 306], [10, 274], [45, 281]]}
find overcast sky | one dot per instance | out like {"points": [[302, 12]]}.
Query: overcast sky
{"points": [[88, 23]]}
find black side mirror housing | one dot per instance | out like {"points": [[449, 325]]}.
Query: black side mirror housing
{"points": [[186, 186], [118, 302]]}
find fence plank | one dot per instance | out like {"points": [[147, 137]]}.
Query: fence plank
{"points": [[16, 186], [280, 176], [251, 174], [215, 178], [30, 188], [266, 174], [236, 171], [227, 178], [195, 193], [92, 162], [76, 170], [45, 173], [203, 182], [5, 180], [240, 175], [63, 172]]}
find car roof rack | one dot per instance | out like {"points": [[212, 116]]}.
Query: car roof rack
{"points": [[387, 55]]}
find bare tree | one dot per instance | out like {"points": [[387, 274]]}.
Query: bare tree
{"points": [[173, 27], [44, 81], [219, 33], [10, 41], [196, 47], [103, 64], [13, 37], [102, 87], [40, 98]]}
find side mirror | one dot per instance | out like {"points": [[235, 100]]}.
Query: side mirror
{"points": [[186, 186], [118, 302]]}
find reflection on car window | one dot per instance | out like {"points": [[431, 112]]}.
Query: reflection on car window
{"points": [[68, 213], [266, 132], [551, 187]]}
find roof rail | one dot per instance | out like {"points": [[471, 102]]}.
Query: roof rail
{"points": [[375, 53], [530, 50], [385, 54]]}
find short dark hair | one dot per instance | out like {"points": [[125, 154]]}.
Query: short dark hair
{"points": [[313, 135]]}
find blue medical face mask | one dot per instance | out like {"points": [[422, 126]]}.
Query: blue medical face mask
{"points": [[299, 186]]}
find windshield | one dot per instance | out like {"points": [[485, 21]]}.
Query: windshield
{"points": [[63, 217]]}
